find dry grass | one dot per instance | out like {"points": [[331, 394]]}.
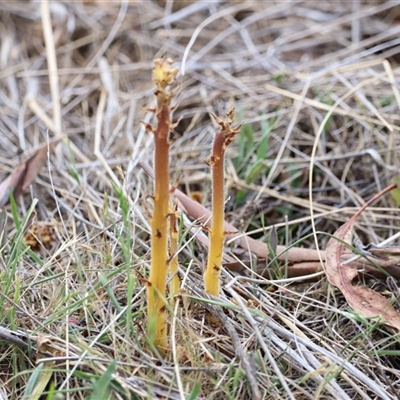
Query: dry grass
{"points": [[323, 75]]}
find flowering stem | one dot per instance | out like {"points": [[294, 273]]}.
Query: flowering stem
{"points": [[163, 76], [217, 234], [173, 250]]}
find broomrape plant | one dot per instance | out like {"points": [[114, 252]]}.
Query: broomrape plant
{"points": [[163, 222], [217, 234], [163, 76]]}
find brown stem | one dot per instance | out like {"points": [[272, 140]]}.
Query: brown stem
{"points": [[163, 76], [217, 232]]}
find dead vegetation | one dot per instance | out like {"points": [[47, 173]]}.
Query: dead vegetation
{"points": [[315, 87]]}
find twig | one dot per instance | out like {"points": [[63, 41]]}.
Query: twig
{"points": [[14, 337], [258, 334], [218, 313]]}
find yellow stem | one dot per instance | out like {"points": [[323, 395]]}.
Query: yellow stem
{"points": [[173, 249], [217, 234], [163, 75]]}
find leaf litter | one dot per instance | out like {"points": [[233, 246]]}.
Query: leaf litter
{"points": [[361, 299], [25, 173], [283, 64]]}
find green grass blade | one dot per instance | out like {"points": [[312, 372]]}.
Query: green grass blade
{"points": [[195, 391], [102, 386]]}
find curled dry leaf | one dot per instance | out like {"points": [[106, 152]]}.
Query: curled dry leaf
{"points": [[202, 215], [11, 182], [302, 261], [363, 300], [25, 173]]}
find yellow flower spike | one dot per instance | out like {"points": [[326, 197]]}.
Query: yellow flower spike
{"points": [[163, 74]]}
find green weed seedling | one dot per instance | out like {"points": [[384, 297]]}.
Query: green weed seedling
{"points": [[251, 160], [195, 391], [15, 251], [101, 387]]}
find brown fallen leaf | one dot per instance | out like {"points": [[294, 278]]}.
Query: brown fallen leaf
{"points": [[201, 214], [371, 304], [11, 182], [336, 272], [302, 261], [25, 173], [361, 299], [306, 269]]}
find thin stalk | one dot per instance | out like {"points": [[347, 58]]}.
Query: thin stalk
{"points": [[217, 233], [173, 250], [163, 77]]}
